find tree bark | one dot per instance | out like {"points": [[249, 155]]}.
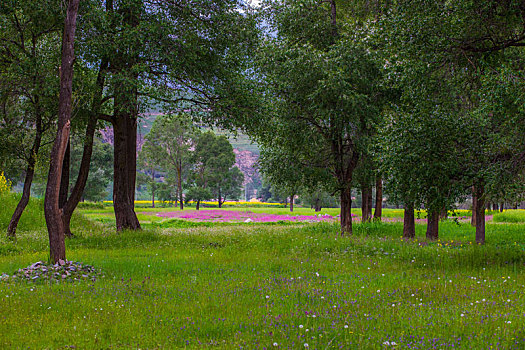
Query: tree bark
{"points": [[474, 210], [179, 184], [409, 225], [346, 210], [152, 188], [378, 211], [292, 201], [317, 204], [125, 105], [64, 179], [53, 215], [366, 205], [443, 214], [83, 173], [28, 181], [501, 207], [198, 205], [480, 213], [220, 195], [433, 225], [124, 129]]}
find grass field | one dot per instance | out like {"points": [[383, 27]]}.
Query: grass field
{"points": [[294, 286]]}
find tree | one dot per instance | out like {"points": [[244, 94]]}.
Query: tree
{"points": [[168, 146], [180, 54], [212, 161], [55, 225], [324, 91], [443, 54], [28, 87], [228, 185], [282, 171]]}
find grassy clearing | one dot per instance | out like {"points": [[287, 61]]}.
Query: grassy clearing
{"points": [[233, 286]]}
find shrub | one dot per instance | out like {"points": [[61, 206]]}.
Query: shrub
{"points": [[5, 184]]}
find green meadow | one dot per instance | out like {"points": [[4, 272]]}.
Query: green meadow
{"points": [[255, 286]]}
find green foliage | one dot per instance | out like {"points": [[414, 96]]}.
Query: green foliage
{"points": [[213, 173], [197, 194], [100, 169], [324, 96], [456, 94]]}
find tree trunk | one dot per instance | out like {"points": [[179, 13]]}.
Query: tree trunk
{"points": [[220, 195], [83, 173], [366, 205], [64, 180], [198, 204], [501, 207], [433, 225], [152, 188], [179, 185], [317, 204], [30, 172], [55, 224], [480, 213], [378, 211], [124, 129], [291, 202], [346, 211], [474, 203], [443, 214], [409, 225]]}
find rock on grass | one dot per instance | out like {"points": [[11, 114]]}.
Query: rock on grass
{"points": [[64, 270]]}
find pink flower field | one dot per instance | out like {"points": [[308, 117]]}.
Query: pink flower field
{"points": [[240, 216]]}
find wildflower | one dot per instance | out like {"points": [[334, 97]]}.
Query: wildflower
{"points": [[305, 345], [346, 326], [275, 344], [300, 326], [267, 297]]}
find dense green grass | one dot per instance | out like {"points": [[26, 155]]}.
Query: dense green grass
{"points": [[251, 286], [510, 216], [32, 218]]}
